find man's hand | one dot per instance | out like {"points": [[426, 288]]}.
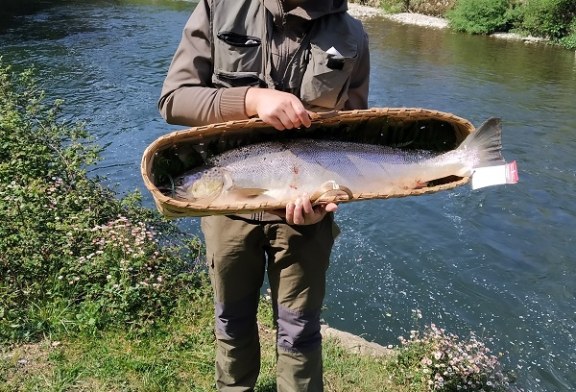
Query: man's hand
{"points": [[301, 211], [280, 109], [283, 111]]}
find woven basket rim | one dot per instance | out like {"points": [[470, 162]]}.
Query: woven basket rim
{"points": [[174, 207]]}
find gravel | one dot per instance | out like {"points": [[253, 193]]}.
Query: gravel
{"points": [[419, 20]]}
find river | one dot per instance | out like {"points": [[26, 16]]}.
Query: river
{"points": [[498, 261]]}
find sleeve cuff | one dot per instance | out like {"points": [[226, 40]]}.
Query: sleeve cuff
{"points": [[232, 103]]}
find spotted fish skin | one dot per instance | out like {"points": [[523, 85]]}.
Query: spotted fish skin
{"points": [[281, 171]]}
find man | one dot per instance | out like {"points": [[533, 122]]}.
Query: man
{"points": [[278, 60]]}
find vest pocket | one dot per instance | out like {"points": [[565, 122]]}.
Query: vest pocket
{"points": [[326, 79], [238, 59], [236, 79], [239, 40]]}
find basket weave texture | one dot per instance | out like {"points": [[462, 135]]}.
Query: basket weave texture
{"points": [[411, 128]]}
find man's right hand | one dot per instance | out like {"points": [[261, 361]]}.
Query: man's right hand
{"points": [[280, 109]]}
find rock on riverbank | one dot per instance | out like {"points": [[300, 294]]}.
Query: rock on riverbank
{"points": [[356, 344]]}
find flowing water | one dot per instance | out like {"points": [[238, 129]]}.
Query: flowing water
{"points": [[497, 261]]}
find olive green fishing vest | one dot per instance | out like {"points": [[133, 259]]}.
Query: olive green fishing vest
{"points": [[319, 72]]}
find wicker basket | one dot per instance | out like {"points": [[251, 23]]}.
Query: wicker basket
{"points": [[409, 128]]}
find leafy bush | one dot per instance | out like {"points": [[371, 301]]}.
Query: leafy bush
{"points": [[73, 256], [479, 16], [431, 7], [443, 362], [394, 6], [569, 41], [548, 18], [427, 7]]}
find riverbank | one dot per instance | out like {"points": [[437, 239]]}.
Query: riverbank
{"points": [[362, 12]]}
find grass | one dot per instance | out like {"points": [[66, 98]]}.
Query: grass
{"points": [[178, 355], [175, 356]]}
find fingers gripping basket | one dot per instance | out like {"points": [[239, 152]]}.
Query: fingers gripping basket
{"points": [[409, 128]]}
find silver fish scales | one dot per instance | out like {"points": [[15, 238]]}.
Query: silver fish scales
{"points": [[278, 172]]}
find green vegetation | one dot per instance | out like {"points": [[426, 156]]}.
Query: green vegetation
{"points": [[73, 257], [551, 19], [479, 16], [100, 294], [427, 7], [554, 19], [392, 6], [443, 362]]}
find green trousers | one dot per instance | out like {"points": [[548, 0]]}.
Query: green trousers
{"points": [[239, 254]]}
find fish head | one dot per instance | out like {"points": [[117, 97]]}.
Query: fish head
{"points": [[209, 185], [205, 188]]}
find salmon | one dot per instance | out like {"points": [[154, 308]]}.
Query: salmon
{"points": [[281, 171]]}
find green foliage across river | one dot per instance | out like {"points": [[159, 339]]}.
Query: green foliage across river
{"points": [[551, 19]]}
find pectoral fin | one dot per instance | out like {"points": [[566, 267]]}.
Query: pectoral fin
{"points": [[246, 192], [240, 192]]}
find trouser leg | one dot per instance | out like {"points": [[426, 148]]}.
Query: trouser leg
{"points": [[236, 263], [297, 264]]}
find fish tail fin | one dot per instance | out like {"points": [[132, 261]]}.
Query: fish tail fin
{"points": [[485, 143], [489, 166]]}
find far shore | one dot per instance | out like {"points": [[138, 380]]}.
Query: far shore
{"points": [[362, 11]]}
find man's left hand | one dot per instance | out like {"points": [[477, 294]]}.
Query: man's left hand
{"points": [[301, 211]]}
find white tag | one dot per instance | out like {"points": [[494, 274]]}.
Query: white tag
{"points": [[495, 175], [334, 52]]}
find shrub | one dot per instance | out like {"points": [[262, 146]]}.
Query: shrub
{"points": [[569, 41], [369, 3], [479, 16], [442, 362], [73, 255], [431, 7], [548, 18], [394, 6]]}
